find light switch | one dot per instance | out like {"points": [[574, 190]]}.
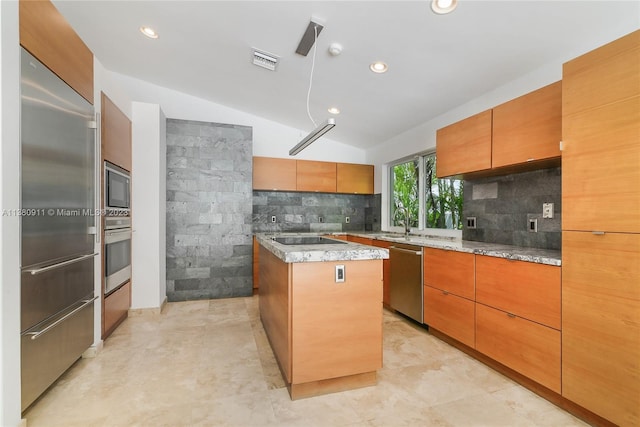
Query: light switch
{"points": [[340, 273]]}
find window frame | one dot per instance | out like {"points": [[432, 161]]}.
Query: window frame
{"points": [[422, 229]]}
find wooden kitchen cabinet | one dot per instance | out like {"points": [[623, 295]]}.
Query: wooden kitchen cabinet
{"points": [[601, 226], [48, 36], [256, 264], [601, 153], [116, 134], [450, 271], [115, 309], [518, 317], [526, 289], [449, 293], [386, 273], [464, 146], [274, 174], [315, 176], [601, 323], [450, 314], [354, 178], [528, 128], [527, 347]]}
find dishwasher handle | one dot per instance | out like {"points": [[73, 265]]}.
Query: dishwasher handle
{"points": [[409, 251]]}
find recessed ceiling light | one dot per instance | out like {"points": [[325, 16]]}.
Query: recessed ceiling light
{"points": [[333, 110], [149, 32], [379, 67], [443, 6]]}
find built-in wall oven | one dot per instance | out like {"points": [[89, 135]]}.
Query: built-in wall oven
{"points": [[117, 252]]}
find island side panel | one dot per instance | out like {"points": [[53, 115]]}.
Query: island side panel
{"points": [[336, 327], [275, 307]]}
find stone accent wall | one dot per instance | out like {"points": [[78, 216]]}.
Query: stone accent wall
{"points": [[209, 203], [503, 206], [301, 212]]}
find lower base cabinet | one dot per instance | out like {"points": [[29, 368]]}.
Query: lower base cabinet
{"points": [[524, 346], [116, 308], [450, 314]]}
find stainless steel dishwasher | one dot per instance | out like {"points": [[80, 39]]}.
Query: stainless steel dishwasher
{"points": [[406, 280]]}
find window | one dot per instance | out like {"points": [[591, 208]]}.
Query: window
{"points": [[421, 199]]}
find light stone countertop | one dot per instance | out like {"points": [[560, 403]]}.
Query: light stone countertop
{"points": [[354, 251], [344, 251]]}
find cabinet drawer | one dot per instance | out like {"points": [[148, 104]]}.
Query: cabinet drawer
{"points": [[450, 271], [116, 308], [525, 289], [531, 349], [450, 314]]}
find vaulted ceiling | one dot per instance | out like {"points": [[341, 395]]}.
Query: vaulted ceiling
{"points": [[436, 62]]}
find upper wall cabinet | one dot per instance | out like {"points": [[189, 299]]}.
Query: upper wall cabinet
{"points": [[528, 128], [116, 134], [464, 146], [274, 174], [601, 138], [519, 135], [316, 176], [354, 179], [46, 35]]}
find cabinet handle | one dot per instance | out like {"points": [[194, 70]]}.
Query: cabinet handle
{"points": [[445, 293], [511, 315], [530, 160], [598, 233]]}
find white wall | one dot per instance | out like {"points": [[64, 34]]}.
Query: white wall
{"points": [[148, 206], [270, 138], [9, 225]]}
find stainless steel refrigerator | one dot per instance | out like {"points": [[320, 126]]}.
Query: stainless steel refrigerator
{"points": [[58, 184]]}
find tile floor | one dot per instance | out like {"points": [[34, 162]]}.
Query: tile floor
{"points": [[208, 363]]}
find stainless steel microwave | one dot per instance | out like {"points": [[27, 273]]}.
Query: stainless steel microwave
{"points": [[117, 189]]}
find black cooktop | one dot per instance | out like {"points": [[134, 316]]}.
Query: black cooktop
{"points": [[307, 240]]}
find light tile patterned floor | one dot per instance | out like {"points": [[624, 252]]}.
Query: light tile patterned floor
{"points": [[208, 363]]}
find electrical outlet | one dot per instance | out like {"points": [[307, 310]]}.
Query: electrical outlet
{"points": [[471, 222], [547, 210], [347, 219], [340, 273], [273, 218], [533, 225], [320, 219]]}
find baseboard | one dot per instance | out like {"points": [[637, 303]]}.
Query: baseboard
{"points": [[23, 422], [151, 311], [93, 351]]}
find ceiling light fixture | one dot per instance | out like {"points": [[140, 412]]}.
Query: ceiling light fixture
{"points": [[442, 7], [327, 125], [315, 134], [149, 32], [379, 67], [334, 110]]}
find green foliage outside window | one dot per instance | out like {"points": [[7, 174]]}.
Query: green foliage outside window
{"points": [[442, 197], [405, 194]]}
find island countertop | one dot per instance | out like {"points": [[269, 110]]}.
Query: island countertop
{"points": [[538, 256], [341, 251]]}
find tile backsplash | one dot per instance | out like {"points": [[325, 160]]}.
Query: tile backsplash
{"points": [[315, 212], [504, 205]]}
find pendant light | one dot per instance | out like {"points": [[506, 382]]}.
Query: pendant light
{"points": [[329, 123]]}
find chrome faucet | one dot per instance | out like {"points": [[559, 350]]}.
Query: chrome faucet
{"points": [[407, 219]]}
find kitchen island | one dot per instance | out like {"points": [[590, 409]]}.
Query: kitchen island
{"points": [[321, 307]]}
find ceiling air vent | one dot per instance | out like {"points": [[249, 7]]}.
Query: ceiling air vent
{"points": [[265, 60]]}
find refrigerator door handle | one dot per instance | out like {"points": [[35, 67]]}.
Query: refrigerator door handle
{"points": [[37, 334], [98, 173], [35, 271]]}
